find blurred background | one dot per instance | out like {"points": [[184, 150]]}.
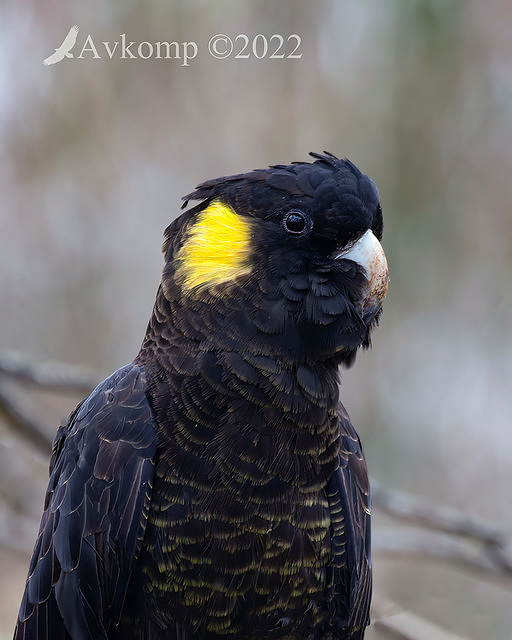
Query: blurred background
{"points": [[95, 154]]}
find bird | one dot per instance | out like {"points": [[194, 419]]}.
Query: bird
{"points": [[65, 48], [215, 488]]}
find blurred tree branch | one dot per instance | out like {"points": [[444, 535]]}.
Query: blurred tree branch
{"points": [[52, 376], [453, 536], [423, 512], [49, 375], [20, 421], [422, 544], [405, 625]]}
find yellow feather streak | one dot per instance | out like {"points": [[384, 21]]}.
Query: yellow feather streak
{"points": [[217, 248]]}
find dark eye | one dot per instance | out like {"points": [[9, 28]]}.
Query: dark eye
{"points": [[296, 222]]}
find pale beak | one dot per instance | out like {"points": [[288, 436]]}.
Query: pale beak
{"points": [[368, 252]]}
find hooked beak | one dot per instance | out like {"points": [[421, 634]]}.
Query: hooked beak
{"points": [[368, 252]]}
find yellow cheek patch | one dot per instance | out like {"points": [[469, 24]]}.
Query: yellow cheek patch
{"points": [[217, 248]]}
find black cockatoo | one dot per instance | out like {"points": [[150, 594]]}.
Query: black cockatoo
{"points": [[215, 488]]}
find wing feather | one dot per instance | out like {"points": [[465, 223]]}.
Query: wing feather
{"points": [[349, 500], [95, 512]]}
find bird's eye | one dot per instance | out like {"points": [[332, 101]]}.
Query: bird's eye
{"points": [[296, 222]]}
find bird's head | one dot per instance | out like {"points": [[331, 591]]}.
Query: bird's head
{"points": [[283, 261]]}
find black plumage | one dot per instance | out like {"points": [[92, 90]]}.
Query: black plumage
{"points": [[215, 487]]}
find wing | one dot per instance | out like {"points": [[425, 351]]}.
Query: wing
{"points": [[70, 39], [349, 501], [55, 57], [95, 514]]}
